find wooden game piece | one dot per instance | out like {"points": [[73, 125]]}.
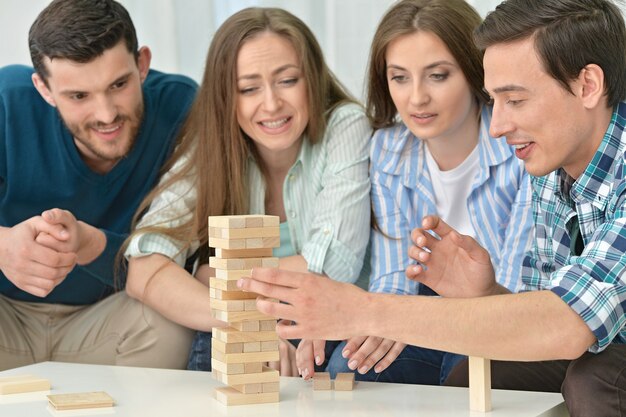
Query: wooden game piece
{"points": [[227, 347], [227, 305], [243, 221], [231, 295], [321, 381], [344, 381], [249, 305], [246, 326], [245, 233], [244, 357], [267, 375], [230, 396], [269, 345], [253, 367], [227, 368], [252, 347], [262, 242], [238, 316], [23, 383], [242, 263], [480, 384], [232, 274], [268, 325], [80, 400], [249, 388], [230, 335], [271, 387], [243, 253], [222, 284]]}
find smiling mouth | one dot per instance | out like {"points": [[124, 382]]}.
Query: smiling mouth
{"points": [[275, 124], [108, 129], [521, 145]]}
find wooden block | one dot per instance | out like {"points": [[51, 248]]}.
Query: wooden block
{"points": [[249, 305], [81, 400], [243, 253], [232, 274], [241, 221], [238, 316], [267, 375], [227, 347], [230, 396], [227, 305], [248, 232], [251, 347], [271, 221], [269, 345], [268, 325], [230, 335], [271, 387], [232, 295], [244, 357], [344, 381], [253, 367], [249, 388], [23, 383], [227, 368], [480, 384], [321, 381], [246, 326], [222, 284], [248, 243], [242, 263]]}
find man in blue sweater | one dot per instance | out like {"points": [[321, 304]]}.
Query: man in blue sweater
{"points": [[82, 140]]}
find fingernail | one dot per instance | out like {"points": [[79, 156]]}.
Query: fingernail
{"points": [[306, 372], [378, 369], [363, 370], [318, 360], [352, 365], [416, 268], [63, 233], [345, 353], [299, 372]]}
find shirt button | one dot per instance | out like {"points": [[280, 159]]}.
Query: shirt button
{"points": [[292, 177], [326, 231], [292, 214]]}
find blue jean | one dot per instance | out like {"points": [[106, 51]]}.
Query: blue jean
{"points": [[200, 355], [415, 365]]}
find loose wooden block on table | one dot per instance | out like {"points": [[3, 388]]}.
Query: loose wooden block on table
{"points": [[242, 263], [266, 376], [321, 381], [344, 381], [480, 384], [230, 335], [23, 383], [230, 396], [241, 221], [80, 400]]}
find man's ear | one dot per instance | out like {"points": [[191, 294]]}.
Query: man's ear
{"points": [[143, 62], [43, 90], [591, 86]]}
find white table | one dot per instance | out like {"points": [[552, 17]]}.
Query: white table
{"points": [[158, 393]]}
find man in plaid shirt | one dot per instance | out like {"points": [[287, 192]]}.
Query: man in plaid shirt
{"points": [[556, 71]]}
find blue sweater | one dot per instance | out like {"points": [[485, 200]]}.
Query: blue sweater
{"points": [[40, 168]]}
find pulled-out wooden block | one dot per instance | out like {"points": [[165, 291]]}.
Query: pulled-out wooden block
{"points": [[80, 400], [242, 263], [230, 335], [480, 384], [230, 396], [267, 375], [344, 381], [232, 295], [244, 357], [23, 383], [321, 381], [243, 253]]}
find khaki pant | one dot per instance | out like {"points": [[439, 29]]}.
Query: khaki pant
{"points": [[115, 331]]}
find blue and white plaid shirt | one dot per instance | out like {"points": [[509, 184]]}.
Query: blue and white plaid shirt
{"points": [[594, 283]]}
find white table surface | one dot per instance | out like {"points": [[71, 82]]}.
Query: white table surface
{"points": [[159, 393]]}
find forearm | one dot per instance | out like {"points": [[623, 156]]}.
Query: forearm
{"points": [[524, 327], [166, 287]]}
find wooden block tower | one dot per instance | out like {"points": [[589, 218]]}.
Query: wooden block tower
{"points": [[239, 351]]}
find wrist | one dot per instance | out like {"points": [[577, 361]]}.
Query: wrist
{"points": [[93, 242]]}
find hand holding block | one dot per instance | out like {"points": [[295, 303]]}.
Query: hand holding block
{"points": [[480, 384], [23, 383]]}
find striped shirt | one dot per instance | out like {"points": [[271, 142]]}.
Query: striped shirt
{"points": [[499, 205], [325, 195], [594, 283]]}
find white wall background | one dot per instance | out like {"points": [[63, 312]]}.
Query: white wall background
{"points": [[179, 31]]}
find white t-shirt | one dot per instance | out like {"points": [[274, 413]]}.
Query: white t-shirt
{"points": [[452, 189]]}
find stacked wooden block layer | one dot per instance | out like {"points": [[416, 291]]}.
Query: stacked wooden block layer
{"points": [[240, 351]]}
